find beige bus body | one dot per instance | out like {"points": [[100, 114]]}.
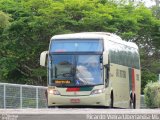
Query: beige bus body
{"points": [[122, 89]]}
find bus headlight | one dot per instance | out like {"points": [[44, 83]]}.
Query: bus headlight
{"points": [[54, 92], [97, 91]]}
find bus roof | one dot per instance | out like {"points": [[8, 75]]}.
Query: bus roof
{"points": [[84, 35], [95, 35]]}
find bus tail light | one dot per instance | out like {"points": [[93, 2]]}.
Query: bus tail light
{"points": [[97, 91], [54, 92]]}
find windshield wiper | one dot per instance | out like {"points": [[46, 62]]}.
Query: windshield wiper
{"points": [[55, 72], [84, 85], [59, 85], [88, 85]]}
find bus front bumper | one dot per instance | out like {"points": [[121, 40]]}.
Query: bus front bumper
{"points": [[90, 100]]}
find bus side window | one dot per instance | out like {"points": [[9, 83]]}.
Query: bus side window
{"points": [[107, 75]]}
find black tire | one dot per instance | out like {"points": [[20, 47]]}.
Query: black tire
{"points": [[134, 102], [52, 106], [112, 100], [131, 102]]}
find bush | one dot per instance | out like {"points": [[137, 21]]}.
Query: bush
{"points": [[147, 76], [152, 95]]}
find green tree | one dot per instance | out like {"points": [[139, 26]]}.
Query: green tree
{"points": [[147, 77], [4, 20], [35, 21]]}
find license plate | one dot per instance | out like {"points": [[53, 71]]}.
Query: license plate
{"points": [[75, 100]]}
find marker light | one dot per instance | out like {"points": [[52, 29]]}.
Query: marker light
{"points": [[97, 91]]}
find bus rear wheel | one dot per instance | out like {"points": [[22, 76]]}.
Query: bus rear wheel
{"points": [[133, 102]]}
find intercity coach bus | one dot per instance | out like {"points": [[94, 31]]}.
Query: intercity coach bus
{"points": [[92, 69]]}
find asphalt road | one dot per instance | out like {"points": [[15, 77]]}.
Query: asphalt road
{"points": [[79, 114]]}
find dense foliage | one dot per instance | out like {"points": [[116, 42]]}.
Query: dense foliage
{"points": [[27, 25], [152, 96]]}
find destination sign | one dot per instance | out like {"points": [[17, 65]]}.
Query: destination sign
{"points": [[62, 81]]}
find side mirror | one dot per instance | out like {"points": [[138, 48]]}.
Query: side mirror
{"points": [[105, 58], [43, 58], [107, 69]]}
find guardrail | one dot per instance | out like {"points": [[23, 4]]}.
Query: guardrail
{"points": [[143, 106], [27, 96], [22, 96]]}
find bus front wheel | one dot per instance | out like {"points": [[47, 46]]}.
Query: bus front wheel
{"points": [[112, 100]]}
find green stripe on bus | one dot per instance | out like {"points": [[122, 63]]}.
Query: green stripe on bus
{"points": [[86, 88]]}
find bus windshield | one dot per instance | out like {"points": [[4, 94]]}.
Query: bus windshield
{"points": [[75, 70], [76, 45]]}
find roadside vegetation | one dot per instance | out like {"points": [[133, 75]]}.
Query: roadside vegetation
{"points": [[152, 95], [26, 27]]}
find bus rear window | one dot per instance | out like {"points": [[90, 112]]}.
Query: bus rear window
{"points": [[80, 45]]}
